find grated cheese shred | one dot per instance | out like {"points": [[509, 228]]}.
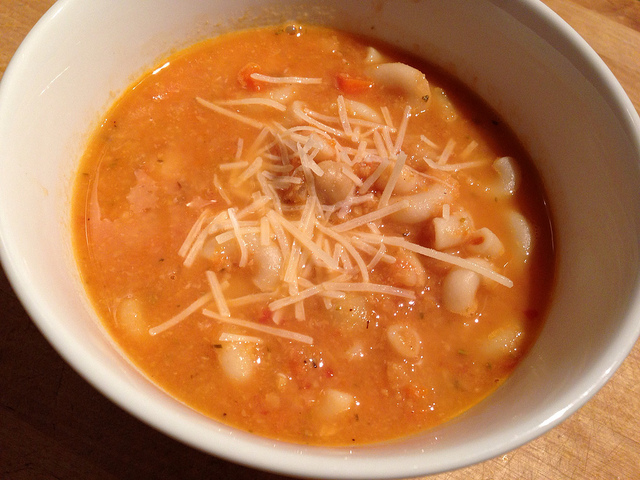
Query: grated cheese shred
{"points": [[218, 295], [244, 255], [266, 102], [281, 160], [393, 179], [175, 320], [300, 80], [278, 332], [235, 338], [194, 232], [229, 113]]}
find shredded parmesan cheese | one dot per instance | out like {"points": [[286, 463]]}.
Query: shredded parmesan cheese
{"points": [[446, 211], [468, 149], [244, 254], [437, 255], [367, 184], [428, 142], [221, 191], [315, 240], [380, 146], [249, 299], [370, 217], [218, 296], [352, 251], [175, 320], [453, 167], [193, 233], [446, 153], [278, 332], [370, 288], [344, 118], [265, 232], [233, 337], [267, 102], [283, 302], [301, 80], [233, 165], [391, 183], [301, 113], [305, 239], [403, 129], [387, 116], [239, 148], [250, 171], [229, 113]]}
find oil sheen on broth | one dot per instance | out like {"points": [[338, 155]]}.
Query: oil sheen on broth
{"points": [[295, 232]]}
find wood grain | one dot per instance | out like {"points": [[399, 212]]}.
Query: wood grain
{"points": [[55, 425]]}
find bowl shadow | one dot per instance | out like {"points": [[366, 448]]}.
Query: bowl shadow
{"points": [[53, 424]]}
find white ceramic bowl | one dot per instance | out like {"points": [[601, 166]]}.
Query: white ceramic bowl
{"points": [[532, 68]]}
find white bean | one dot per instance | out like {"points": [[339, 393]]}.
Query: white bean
{"points": [[283, 94], [404, 340], [507, 181], [129, 316], [267, 267], [356, 351], [362, 110], [399, 374], [509, 176], [407, 183], [522, 236], [451, 231], [239, 361], [334, 402], [423, 205], [505, 340], [333, 186], [326, 149], [373, 56], [407, 270], [486, 243], [222, 255], [351, 313], [441, 99], [459, 289], [282, 381], [399, 75], [485, 281]]}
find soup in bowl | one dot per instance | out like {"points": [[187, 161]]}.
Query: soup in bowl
{"points": [[526, 67]]}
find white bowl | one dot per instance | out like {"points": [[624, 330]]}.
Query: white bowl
{"points": [[531, 67]]}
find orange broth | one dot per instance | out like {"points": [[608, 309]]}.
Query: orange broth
{"points": [[367, 365]]}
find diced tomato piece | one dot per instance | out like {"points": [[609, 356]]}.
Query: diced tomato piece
{"points": [[349, 84], [413, 391], [265, 316], [244, 76]]}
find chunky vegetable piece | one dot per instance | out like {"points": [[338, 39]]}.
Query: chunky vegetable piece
{"points": [[313, 237]]}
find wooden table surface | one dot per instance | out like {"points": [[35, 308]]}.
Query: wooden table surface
{"points": [[55, 425]]}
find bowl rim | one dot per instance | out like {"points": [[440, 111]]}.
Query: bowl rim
{"points": [[551, 28]]}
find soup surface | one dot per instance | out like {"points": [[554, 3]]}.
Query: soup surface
{"points": [[296, 232]]}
